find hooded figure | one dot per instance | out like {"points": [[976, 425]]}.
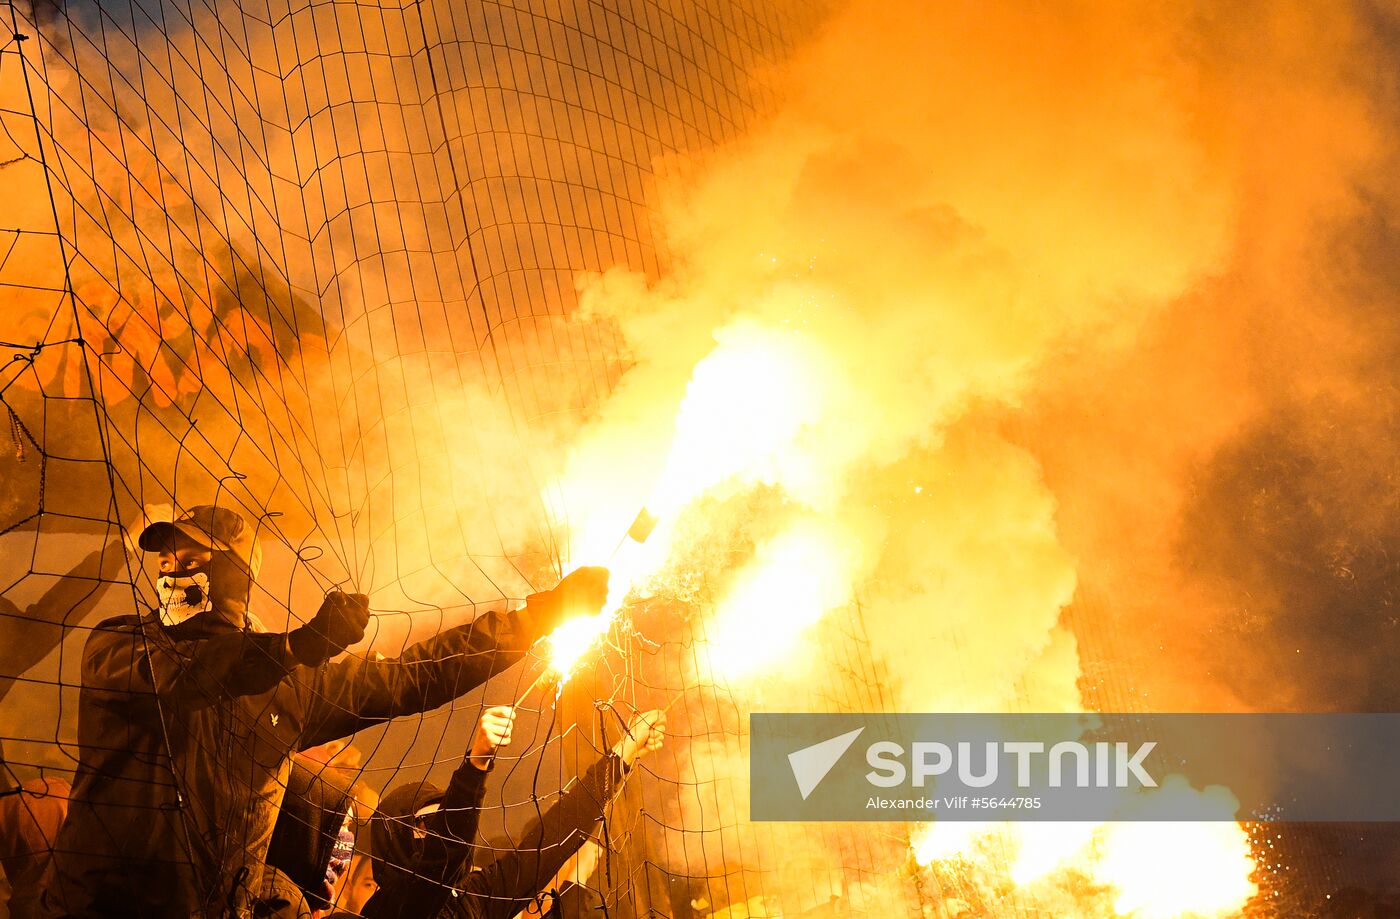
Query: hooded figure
{"points": [[394, 835], [423, 853], [187, 717], [312, 845]]}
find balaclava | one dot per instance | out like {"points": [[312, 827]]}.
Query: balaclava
{"points": [[183, 595], [392, 838]]}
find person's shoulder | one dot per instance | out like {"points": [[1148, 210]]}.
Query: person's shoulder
{"points": [[280, 897], [114, 629], [126, 623]]}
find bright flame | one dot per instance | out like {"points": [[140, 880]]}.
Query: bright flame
{"points": [[747, 410], [1043, 847], [793, 580], [1163, 870], [571, 641], [946, 839], [1151, 869], [744, 410], [629, 565]]}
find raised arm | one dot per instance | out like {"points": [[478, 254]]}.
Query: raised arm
{"points": [[204, 659], [423, 887], [507, 885], [355, 693]]}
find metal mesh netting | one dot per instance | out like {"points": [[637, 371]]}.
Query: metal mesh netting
{"points": [[315, 263], [384, 280]]}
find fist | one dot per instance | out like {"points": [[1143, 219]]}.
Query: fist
{"points": [[492, 733], [582, 593], [645, 734], [342, 619], [584, 590], [338, 624]]}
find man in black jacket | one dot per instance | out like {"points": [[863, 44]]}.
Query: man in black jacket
{"points": [[187, 718]]}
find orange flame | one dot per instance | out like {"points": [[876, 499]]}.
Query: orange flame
{"points": [[1151, 870], [744, 409]]}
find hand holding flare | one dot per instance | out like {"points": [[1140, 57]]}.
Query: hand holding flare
{"points": [[645, 734], [587, 594], [492, 733], [570, 611]]}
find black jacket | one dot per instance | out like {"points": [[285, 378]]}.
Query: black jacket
{"points": [[438, 883], [308, 826], [185, 735]]}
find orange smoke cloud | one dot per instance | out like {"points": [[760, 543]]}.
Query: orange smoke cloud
{"points": [[886, 222], [1007, 235], [974, 305]]}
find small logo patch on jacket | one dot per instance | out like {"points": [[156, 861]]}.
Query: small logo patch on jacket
{"points": [[273, 716]]}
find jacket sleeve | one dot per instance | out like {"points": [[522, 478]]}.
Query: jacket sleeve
{"points": [[446, 855], [353, 693], [123, 656], [507, 885]]}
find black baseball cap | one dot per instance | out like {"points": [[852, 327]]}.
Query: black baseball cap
{"points": [[216, 528]]}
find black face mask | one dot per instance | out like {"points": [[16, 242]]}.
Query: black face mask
{"points": [[230, 583]]}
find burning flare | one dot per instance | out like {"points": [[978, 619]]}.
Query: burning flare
{"points": [[742, 418], [1164, 870]]}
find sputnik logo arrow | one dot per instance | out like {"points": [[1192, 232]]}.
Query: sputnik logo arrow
{"points": [[811, 764]]}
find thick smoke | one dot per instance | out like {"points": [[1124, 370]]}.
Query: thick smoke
{"points": [[323, 273], [1091, 290], [317, 267], [935, 225], [1087, 306], [1226, 475]]}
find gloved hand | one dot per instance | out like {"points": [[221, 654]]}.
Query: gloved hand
{"points": [[582, 593], [338, 624]]}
